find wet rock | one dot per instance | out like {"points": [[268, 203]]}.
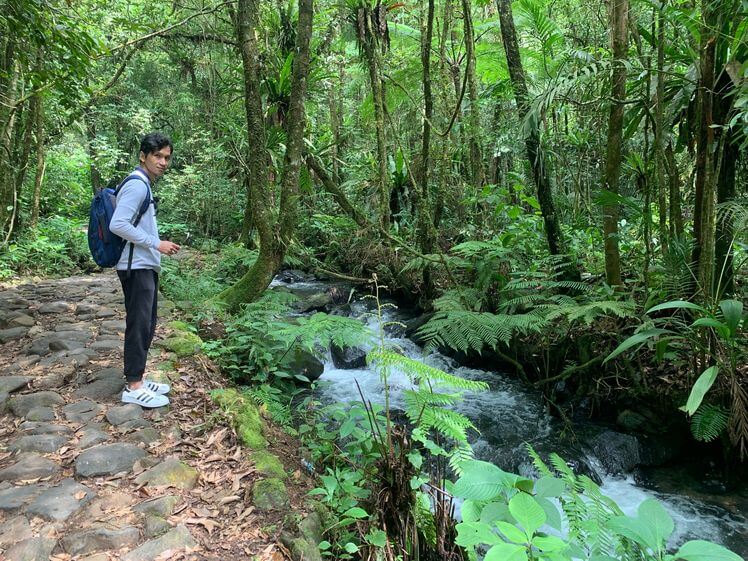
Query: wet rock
{"points": [[155, 526], [82, 411], [44, 443], [91, 437], [160, 506], [107, 459], [313, 303], [412, 326], [20, 405], [14, 530], [60, 502], [176, 540], [169, 473], [35, 427], [98, 539], [293, 275], [9, 384], [348, 357], [300, 361], [13, 333], [32, 549], [123, 413], [14, 498], [617, 452], [59, 307]]}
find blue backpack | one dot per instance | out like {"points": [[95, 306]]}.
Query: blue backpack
{"points": [[106, 247]]}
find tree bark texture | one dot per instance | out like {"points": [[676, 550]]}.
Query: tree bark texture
{"points": [[704, 220], [619, 44], [662, 186], [8, 95], [274, 232], [41, 162], [474, 144], [553, 233]]}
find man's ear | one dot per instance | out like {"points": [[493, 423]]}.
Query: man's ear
{"points": [[142, 157]]}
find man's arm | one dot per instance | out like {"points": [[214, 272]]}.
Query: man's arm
{"points": [[129, 201]]}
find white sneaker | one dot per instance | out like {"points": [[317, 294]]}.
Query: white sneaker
{"points": [[144, 398], [156, 387]]}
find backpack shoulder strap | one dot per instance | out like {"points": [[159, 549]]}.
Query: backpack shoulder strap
{"points": [[137, 174]]}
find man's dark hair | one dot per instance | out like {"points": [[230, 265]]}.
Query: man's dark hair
{"points": [[154, 141]]}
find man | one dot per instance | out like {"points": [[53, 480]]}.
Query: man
{"points": [[139, 266]]}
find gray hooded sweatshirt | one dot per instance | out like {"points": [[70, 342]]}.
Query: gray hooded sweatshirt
{"points": [[145, 236]]}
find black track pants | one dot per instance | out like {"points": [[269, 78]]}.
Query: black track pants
{"points": [[141, 305]]}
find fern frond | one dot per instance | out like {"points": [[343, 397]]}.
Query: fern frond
{"points": [[708, 422], [421, 372]]}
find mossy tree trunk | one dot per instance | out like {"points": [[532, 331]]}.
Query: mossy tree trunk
{"points": [[619, 44], [556, 244], [275, 229]]}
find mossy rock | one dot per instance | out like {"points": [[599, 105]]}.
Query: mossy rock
{"points": [[270, 494], [246, 417], [268, 464], [177, 325], [183, 345]]}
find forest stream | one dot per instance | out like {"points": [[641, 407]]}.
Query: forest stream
{"points": [[510, 415]]}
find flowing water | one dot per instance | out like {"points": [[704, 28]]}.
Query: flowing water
{"points": [[509, 416]]}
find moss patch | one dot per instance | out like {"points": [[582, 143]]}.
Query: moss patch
{"points": [[268, 464], [245, 415], [179, 326], [183, 345], [270, 494]]}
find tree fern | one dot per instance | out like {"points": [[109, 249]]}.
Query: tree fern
{"points": [[708, 422]]}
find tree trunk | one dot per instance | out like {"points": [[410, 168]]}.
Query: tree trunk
{"points": [[274, 234], [660, 131], [476, 163], [8, 109], [373, 62], [703, 216], [553, 233], [676, 214], [41, 163], [247, 224], [619, 41]]}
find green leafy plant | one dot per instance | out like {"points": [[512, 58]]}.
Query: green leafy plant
{"points": [[562, 517], [715, 340]]}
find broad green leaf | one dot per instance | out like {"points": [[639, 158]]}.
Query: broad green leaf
{"points": [[470, 511], [527, 512], [494, 511], [553, 516], [356, 512], [511, 532], [699, 550], [506, 552], [634, 529], [732, 311], [549, 543], [654, 514], [549, 487], [377, 537], [636, 339], [474, 533], [677, 305], [702, 385], [350, 547], [715, 324], [482, 481]]}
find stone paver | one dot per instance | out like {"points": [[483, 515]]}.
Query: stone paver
{"points": [[66, 433], [58, 503], [107, 459]]}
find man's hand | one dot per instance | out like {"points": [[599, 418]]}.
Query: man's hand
{"points": [[168, 248]]}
